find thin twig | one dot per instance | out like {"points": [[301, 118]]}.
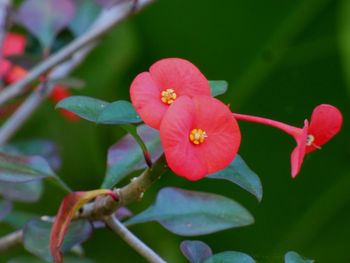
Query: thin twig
{"points": [[108, 20], [77, 50], [140, 247], [23, 113]]}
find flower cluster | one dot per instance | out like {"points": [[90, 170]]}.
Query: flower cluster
{"points": [[199, 133], [14, 45]]}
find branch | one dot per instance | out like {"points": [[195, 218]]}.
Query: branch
{"points": [[104, 206], [130, 193], [107, 21], [132, 240], [77, 50], [22, 114]]}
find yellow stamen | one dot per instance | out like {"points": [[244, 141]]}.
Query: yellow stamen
{"points": [[168, 96], [197, 136], [310, 140]]}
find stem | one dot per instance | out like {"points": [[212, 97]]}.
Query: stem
{"points": [[133, 240], [104, 206], [20, 116], [133, 131], [130, 193], [106, 22], [291, 130]]}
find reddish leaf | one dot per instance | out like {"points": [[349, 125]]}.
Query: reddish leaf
{"points": [[69, 206]]}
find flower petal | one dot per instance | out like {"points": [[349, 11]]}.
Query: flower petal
{"points": [[180, 75], [181, 155], [15, 74], [298, 153], [5, 67], [145, 96], [326, 121], [224, 136], [215, 153], [14, 44]]}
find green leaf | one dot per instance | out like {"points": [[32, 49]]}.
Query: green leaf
{"points": [[101, 112], [293, 257], [239, 173], [126, 156], [85, 107], [190, 213], [18, 219], [5, 208], [44, 148], [195, 251], [230, 257], [218, 87], [86, 13], [19, 169], [22, 169], [27, 192], [45, 18], [119, 112], [36, 236]]}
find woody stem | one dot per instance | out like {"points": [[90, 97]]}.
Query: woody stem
{"points": [[291, 130], [133, 240]]}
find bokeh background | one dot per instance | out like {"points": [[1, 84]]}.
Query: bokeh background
{"points": [[281, 59]]}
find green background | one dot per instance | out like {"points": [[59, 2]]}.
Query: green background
{"points": [[281, 59]]}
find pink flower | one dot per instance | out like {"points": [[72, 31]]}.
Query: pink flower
{"points": [[14, 44], [199, 136], [326, 121], [153, 92]]}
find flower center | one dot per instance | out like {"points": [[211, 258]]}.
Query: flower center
{"points": [[310, 140], [168, 96], [198, 136]]}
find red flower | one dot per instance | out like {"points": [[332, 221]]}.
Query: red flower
{"points": [[199, 136], [14, 44], [168, 79], [326, 121]]}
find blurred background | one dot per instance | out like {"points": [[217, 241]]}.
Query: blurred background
{"points": [[281, 58]]}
